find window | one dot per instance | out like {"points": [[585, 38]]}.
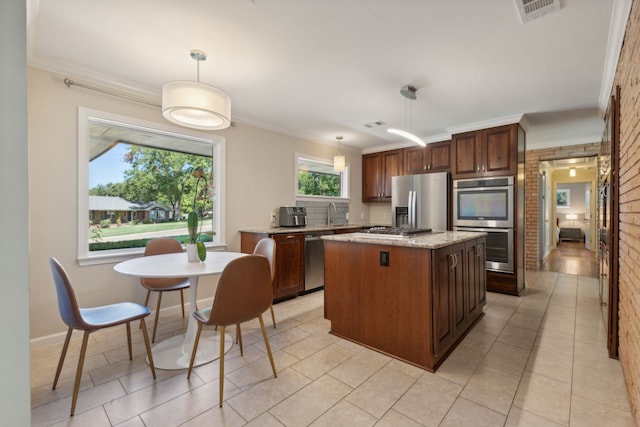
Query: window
{"points": [[315, 178], [136, 182]]}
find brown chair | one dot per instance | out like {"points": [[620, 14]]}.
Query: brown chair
{"points": [[244, 293], [267, 248], [90, 320], [162, 246]]}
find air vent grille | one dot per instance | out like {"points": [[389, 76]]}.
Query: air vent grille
{"points": [[532, 9]]}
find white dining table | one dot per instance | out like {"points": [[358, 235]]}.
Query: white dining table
{"points": [[175, 352]]}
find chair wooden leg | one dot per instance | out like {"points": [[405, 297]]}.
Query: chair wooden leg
{"points": [[65, 347], [221, 379], [266, 343], [146, 301], [148, 346], [239, 338], [76, 385], [155, 322], [129, 340], [273, 317], [195, 349], [182, 301]]}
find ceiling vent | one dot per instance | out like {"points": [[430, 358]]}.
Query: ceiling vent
{"points": [[529, 10]]}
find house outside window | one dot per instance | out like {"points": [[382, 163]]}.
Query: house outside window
{"points": [[139, 177]]}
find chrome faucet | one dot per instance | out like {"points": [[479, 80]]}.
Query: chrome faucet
{"points": [[335, 210]]}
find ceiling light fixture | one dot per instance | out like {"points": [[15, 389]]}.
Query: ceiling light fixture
{"points": [[194, 104], [572, 171], [339, 161], [409, 92]]}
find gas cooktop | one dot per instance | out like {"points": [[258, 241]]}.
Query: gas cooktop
{"points": [[393, 232]]}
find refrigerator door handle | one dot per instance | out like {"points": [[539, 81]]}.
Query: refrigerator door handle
{"points": [[412, 209]]}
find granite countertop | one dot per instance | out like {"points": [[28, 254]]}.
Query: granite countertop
{"points": [[427, 241], [307, 229]]}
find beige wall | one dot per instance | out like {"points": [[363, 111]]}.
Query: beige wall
{"points": [[629, 255], [259, 179]]}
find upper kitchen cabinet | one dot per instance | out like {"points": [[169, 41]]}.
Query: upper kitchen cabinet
{"points": [[377, 170], [435, 157], [487, 152]]}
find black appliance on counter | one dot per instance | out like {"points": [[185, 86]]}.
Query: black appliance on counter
{"points": [[293, 216]]}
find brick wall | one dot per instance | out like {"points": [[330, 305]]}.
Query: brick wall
{"points": [[532, 166], [628, 78]]}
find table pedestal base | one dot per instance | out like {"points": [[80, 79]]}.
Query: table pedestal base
{"points": [[172, 354]]}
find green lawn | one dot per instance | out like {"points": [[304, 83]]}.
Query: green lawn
{"points": [[125, 229]]}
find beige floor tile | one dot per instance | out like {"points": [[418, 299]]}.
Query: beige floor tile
{"points": [[323, 361], [550, 363], [428, 400], [545, 397], [555, 341], [585, 412], [310, 402], [216, 416], [521, 418], [260, 369], [358, 368], [378, 393], [95, 417], [490, 325], [264, 420], [394, 418], [344, 414], [405, 368], [526, 319], [259, 398], [491, 388], [307, 346], [149, 397], [87, 399], [518, 337], [603, 384], [466, 413], [506, 358], [460, 365]]}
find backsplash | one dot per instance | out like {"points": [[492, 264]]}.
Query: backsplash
{"points": [[317, 212]]}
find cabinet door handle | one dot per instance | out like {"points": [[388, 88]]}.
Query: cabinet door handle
{"points": [[483, 168], [452, 266], [290, 237], [478, 168]]}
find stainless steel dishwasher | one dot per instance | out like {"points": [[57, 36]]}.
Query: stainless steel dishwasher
{"points": [[314, 260]]}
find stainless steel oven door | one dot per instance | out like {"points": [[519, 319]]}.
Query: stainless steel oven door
{"points": [[499, 248], [475, 205]]}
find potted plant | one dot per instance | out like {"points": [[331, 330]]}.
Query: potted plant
{"points": [[196, 250]]}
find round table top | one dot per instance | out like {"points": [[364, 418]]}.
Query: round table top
{"points": [[176, 265]]}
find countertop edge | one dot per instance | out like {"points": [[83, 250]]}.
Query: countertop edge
{"points": [[432, 241], [306, 229]]}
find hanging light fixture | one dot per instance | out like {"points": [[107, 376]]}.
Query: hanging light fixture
{"points": [[409, 92], [194, 104], [572, 172], [339, 161]]}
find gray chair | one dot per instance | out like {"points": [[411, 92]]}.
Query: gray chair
{"points": [[160, 246], [90, 320], [244, 293]]}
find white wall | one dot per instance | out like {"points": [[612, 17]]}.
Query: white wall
{"points": [[15, 400], [259, 179]]}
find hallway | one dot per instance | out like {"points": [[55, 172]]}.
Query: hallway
{"points": [[571, 258]]}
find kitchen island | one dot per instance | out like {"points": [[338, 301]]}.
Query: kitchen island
{"points": [[413, 298]]}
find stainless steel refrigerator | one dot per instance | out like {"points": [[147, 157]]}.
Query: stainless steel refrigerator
{"points": [[421, 201]]}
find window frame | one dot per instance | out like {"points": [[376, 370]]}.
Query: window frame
{"points": [[85, 115], [344, 180]]}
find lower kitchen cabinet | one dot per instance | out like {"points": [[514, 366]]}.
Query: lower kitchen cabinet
{"points": [[289, 277]]}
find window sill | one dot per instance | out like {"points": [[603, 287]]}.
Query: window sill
{"points": [[113, 257]]}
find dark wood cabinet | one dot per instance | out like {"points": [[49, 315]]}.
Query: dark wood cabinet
{"points": [[435, 157], [377, 170], [289, 277], [487, 152], [449, 314], [476, 277], [411, 303]]}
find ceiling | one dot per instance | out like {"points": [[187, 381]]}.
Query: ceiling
{"points": [[319, 69]]}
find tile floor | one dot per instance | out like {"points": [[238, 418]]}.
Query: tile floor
{"points": [[538, 360]]}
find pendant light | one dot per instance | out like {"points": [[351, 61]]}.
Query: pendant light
{"points": [[194, 104], [339, 161], [409, 92]]}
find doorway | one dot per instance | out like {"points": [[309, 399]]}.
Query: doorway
{"points": [[566, 208]]}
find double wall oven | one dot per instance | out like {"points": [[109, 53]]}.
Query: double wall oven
{"points": [[486, 205]]}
